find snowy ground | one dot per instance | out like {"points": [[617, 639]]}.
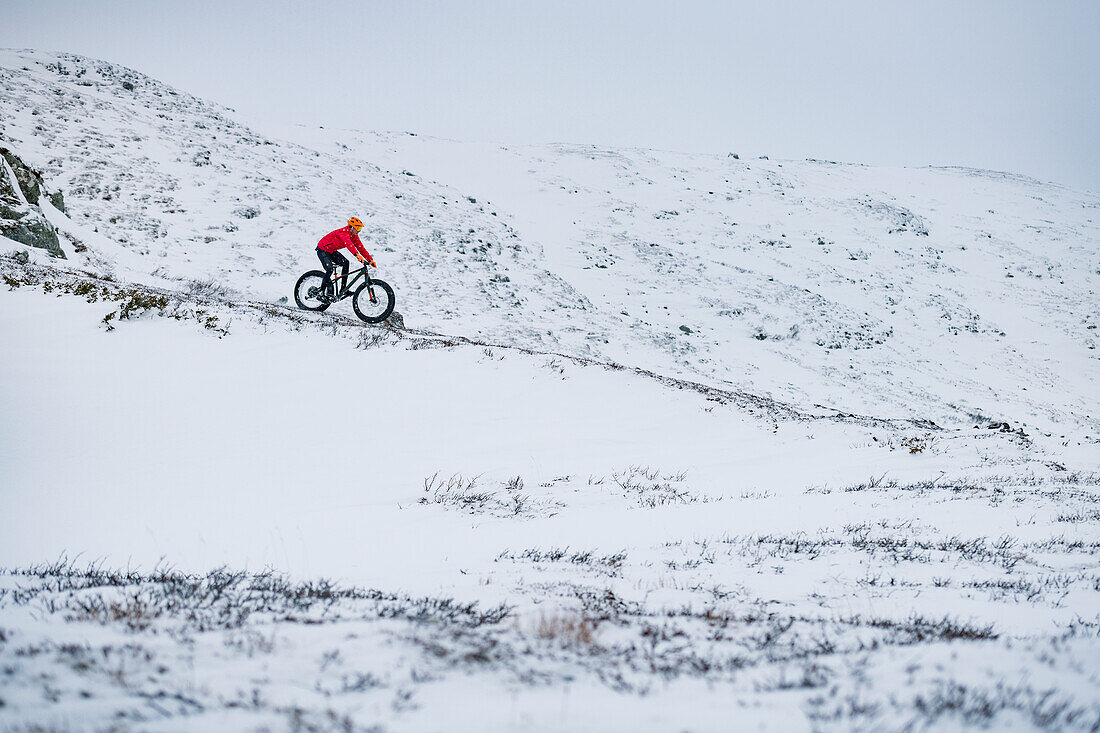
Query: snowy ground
{"points": [[543, 506], [574, 547]]}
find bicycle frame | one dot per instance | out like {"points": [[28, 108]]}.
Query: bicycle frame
{"points": [[362, 272]]}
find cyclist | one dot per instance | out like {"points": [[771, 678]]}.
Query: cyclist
{"points": [[347, 236]]}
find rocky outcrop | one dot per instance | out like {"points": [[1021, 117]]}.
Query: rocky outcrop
{"points": [[21, 194]]}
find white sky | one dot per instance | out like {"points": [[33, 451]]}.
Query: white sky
{"points": [[999, 84]]}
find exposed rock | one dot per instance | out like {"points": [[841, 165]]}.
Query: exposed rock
{"points": [[21, 219], [27, 226], [8, 194], [29, 180], [396, 320]]}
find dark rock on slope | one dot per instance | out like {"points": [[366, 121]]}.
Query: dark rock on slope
{"points": [[21, 218]]}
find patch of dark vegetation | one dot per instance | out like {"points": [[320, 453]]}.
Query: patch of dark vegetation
{"points": [[1030, 589], [133, 301], [916, 629], [651, 488], [1079, 516], [456, 491], [975, 705], [590, 559], [224, 599], [208, 288], [864, 335], [604, 605], [508, 501], [1061, 486], [879, 540], [711, 642], [1001, 552], [589, 630]]}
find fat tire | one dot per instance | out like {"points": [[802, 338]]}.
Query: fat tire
{"points": [[298, 291], [386, 293]]}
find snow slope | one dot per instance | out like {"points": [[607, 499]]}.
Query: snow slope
{"points": [[543, 506], [955, 295], [183, 192], [943, 293]]}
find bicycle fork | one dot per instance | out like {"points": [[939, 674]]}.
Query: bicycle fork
{"points": [[369, 286]]}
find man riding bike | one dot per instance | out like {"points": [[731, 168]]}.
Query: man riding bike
{"points": [[347, 236]]}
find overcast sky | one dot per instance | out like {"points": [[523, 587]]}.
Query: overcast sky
{"points": [[996, 84]]}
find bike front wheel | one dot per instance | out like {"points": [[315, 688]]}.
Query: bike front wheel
{"points": [[373, 303], [308, 291]]}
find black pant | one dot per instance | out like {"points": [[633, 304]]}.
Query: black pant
{"points": [[330, 261]]}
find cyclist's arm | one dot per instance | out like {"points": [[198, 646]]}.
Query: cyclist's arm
{"points": [[357, 249]]}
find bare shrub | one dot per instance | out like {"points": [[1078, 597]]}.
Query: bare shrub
{"points": [[980, 706], [606, 564], [208, 288], [509, 501], [455, 491], [226, 600], [133, 612], [565, 628], [650, 488], [917, 443]]}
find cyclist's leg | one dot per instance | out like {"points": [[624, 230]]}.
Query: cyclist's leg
{"points": [[330, 266], [341, 261]]}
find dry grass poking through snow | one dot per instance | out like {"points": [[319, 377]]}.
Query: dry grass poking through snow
{"points": [[884, 622], [508, 500]]}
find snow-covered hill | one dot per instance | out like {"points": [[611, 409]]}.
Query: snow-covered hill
{"points": [[606, 478], [955, 295], [177, 190]]}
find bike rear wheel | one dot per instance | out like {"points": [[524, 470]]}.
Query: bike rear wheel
{"points": [[373, 307], [308, 291]]}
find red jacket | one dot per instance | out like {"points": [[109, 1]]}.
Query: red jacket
{"points": [[344, 237]]}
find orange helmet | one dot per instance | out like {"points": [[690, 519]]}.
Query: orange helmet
{"points": [[354, 222]]}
